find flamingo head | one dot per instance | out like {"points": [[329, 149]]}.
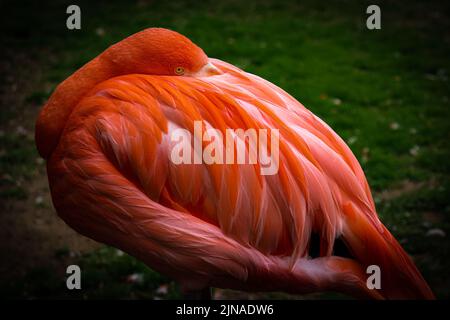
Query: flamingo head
{"points": [[153, 51], [158, 51]]}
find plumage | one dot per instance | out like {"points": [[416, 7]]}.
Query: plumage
{"points": [[105, 133]]}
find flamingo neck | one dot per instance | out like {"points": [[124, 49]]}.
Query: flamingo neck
{"points": [[54, 115]]}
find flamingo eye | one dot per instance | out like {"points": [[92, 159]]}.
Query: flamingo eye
{"points": [[179, 71]]}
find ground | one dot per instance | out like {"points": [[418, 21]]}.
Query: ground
{"points": [[386, 92]]}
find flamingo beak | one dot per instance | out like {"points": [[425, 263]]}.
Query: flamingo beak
{"points": [[208, 70]]}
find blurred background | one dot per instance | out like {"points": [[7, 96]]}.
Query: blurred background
{"points": [[386, 92]]}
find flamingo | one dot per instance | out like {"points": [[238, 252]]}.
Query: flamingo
{"points": [[105, 134]]}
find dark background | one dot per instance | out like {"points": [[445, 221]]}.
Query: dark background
{"points": [[386, 92]]}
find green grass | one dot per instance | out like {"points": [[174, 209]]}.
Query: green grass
{"points": [[105, 275], [386, 92]]}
